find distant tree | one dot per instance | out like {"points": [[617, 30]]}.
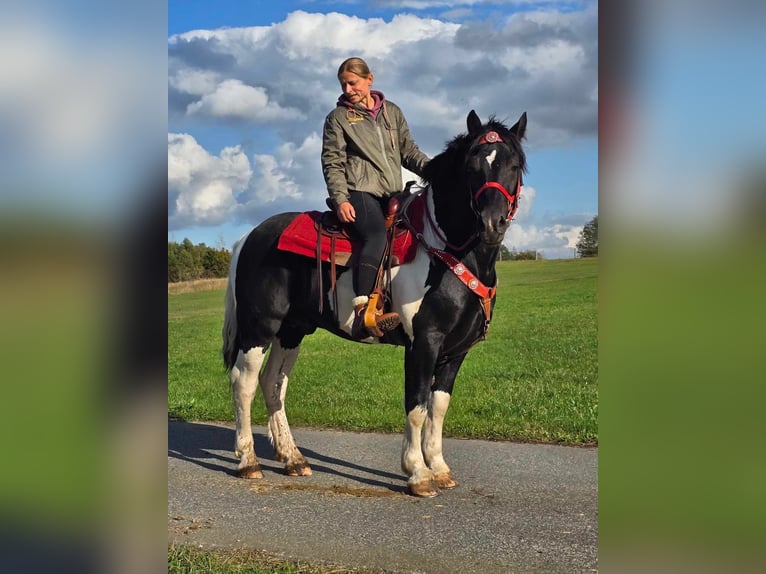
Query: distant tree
{"points": [[216, 262], [187, 261], [172, 263], [504, 254], [525, 255], [587, 242]]}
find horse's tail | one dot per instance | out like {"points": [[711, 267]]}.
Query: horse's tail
{"points": [[230, 332]]}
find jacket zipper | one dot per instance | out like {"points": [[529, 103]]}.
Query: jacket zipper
{"points": [[383, 149]]}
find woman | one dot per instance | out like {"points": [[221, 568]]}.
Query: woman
{"points": [[366, 142]]}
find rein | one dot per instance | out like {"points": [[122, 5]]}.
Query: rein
{"points": [[443, 239]]}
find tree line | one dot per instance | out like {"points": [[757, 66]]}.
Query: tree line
{"points": [[514, 254], [187, 262]]}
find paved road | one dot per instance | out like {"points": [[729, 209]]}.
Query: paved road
{"points": [[517, 508]]}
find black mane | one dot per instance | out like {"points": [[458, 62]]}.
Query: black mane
{"points": [[446, 168]]}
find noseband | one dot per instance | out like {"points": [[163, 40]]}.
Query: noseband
{"points": [[513, 199]]}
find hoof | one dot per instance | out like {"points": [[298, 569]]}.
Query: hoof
{"points": [[298, 469], [250, 472], [445, 480], [425, 489]]}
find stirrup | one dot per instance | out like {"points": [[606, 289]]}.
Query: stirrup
{"points": [[369, 319], [375, 319]]}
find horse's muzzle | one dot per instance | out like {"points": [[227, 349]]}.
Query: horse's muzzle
{"points": [[494, 230], [491, 239]]}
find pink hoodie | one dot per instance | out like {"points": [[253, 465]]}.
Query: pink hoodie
{"points": [[377, 96]]}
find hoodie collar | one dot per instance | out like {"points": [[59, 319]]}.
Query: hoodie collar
{"points": [[377, 97]]}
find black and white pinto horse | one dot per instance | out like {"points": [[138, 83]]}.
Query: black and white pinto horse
{"points": [[444, 297]]}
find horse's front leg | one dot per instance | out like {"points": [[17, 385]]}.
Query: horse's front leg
{"points": [[444, 380], [418, 376]]}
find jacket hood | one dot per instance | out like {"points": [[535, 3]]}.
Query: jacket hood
{"points": [[377, 96]]}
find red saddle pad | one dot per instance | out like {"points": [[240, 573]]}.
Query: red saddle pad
{"points": [[301, 237]]}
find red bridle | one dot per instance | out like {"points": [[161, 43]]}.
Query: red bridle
{"points": [[493, 137]]}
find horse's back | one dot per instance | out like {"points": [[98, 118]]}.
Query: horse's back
{"points": [[265, 235]]}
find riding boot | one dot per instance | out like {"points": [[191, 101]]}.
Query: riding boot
{"points": [[369, 321]]}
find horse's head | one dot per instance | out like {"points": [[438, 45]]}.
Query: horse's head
{"points": [[494, 164], [477, 180]]}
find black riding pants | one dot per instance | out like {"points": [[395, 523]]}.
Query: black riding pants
{"points": [[370, 228]]}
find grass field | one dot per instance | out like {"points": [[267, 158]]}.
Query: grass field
{"points": [[533, 379]]}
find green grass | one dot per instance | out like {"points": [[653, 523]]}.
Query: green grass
{"points": [[533, 379], [188, 560]]}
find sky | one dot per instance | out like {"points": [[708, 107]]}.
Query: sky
{"points": [[250, 83]]}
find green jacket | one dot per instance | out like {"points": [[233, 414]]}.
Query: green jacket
{"points": [[365, 153]]}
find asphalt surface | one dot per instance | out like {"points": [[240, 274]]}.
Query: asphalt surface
{"points": [[517, 507]]}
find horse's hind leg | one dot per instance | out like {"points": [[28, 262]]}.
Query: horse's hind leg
{"points": [[274, 386], [244, 380]]}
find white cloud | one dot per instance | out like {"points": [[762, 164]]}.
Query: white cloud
{"points": [[526, 200], [432, 68], [207, 190], [426, 4], [304, 35], [554, 239], [203, 185], [288, 180], [195, 82], [232, 98]]}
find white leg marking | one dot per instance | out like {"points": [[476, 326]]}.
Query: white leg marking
{"points": [[244, 380], [274, 386], [413, 463], [432, 437]]}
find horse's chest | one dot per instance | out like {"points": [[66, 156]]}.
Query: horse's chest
{"points": [[409, 288], [446, 306]]}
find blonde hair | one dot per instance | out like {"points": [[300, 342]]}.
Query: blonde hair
{"points": [[355, 66]]}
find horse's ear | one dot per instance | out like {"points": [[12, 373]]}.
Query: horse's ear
{"points": [[519, 129], [474, 123]]}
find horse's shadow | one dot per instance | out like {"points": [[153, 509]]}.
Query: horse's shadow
{"points": [[198, 443]]}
